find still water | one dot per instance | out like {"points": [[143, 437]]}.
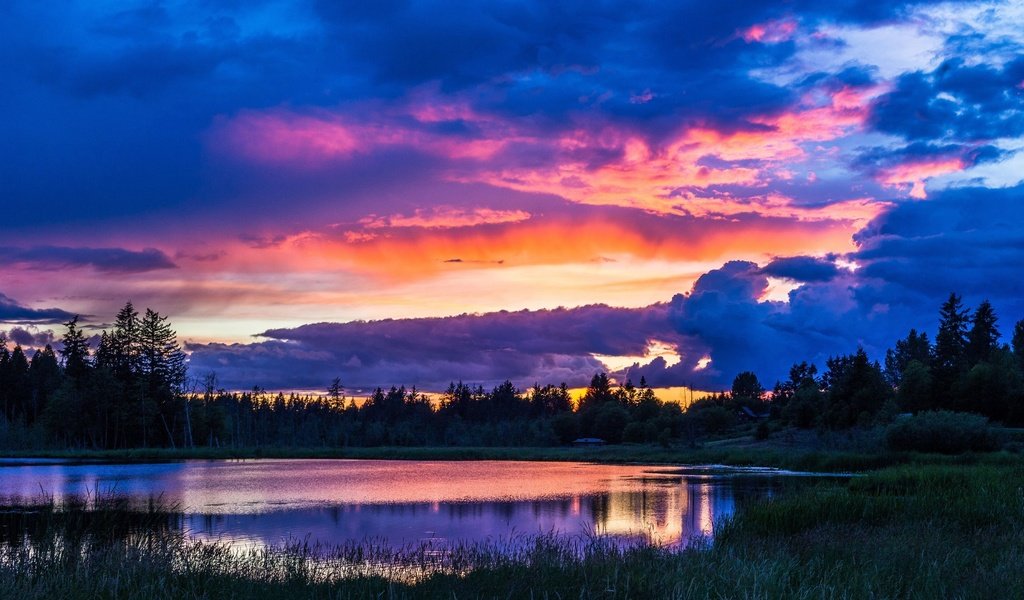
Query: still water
{"points": [[269, 502]]}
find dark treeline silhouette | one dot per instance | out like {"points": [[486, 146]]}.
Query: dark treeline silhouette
{"points": [[128, 392], [966, 369], [132, 391]]}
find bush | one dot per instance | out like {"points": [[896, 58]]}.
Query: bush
{"points": [[715, 419], [566, 427], [943, 431]]}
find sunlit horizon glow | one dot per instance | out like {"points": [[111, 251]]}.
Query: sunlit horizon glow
{"points": [[529, 192]]}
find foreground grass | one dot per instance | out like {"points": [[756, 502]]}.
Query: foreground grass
{"points": [[912, 531]]}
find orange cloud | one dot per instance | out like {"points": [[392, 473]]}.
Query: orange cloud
{"points": [[420, 252]]}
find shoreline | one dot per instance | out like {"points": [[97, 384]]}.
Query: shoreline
{"points": [[798, 459]]}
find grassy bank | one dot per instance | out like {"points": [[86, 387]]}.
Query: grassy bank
{"points": [[795, 458], [923, 531]]}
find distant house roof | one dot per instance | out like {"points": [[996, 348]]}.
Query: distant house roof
{"points": [[582, 441], [753, 415]]}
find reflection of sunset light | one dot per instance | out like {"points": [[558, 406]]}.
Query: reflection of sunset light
{"points": [[706, 516], [703, 363]]}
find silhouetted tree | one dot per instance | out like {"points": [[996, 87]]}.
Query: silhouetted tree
{"points": [[745, 386], [598, 392], [44, 371], [914, 347], [799, 399], [915, 391], [857, 390], [75, 353], [983, 337], [1018, 343], [950, 359]]}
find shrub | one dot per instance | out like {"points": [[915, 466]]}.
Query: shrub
{"points": [[945, 432]]}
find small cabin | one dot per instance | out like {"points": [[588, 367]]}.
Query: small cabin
{"points": [[748, 413], [588, 442]]}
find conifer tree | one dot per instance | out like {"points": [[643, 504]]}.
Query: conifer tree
{"points": [[950, 359], [983, 338], [75, 353]]}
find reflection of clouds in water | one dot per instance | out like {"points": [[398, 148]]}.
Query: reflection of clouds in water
{"points": [[669, 515], [336, 501]]}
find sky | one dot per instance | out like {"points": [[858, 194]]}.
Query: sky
{"points": [[412, 192]]}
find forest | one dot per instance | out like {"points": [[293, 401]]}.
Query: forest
{"points": [[132, 390]]}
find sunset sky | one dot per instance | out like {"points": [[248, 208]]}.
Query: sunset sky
{"points": [[416, 192]]}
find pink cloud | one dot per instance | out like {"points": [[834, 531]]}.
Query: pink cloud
{"points": [[593, 163], [446, 217], [915, 173], [770, 32]]}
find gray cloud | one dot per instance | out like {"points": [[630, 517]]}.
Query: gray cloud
{"points": [[110, 260]]}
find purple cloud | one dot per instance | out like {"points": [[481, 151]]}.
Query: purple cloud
{"points": [[108, 260]]}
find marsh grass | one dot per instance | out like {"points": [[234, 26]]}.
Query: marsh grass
{"points": [[943, 530]]}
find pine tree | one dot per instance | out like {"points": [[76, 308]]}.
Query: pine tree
{"points": [[126, 343], [983, 338], [950, 359], [44, 371], [75, 353], [914, 347], [162, 371], [19, 385], [5, 377], [1018, 343], [161, 360]]}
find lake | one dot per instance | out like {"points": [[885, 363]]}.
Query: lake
{"points": [[401, 503]]}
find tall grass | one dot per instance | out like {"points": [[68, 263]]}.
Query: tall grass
{"points": [[914, 531]]}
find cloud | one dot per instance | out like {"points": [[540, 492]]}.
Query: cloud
{"points": [[29, 337], [526, 346], [445, 217], [13, 312], [802, 268], [957, 101], [908, 260], [106, 260]]}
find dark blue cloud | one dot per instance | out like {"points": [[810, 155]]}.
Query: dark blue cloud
{"points": [[13, 312], [116, 101], [802, 268], [956, 101], [108, 260], [875, 160]]}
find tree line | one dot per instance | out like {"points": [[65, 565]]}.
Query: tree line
{"points": [[132, 391], [967, 368], [128, 392]]}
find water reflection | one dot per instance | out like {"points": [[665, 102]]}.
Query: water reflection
{"points": [[266, 502]]}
